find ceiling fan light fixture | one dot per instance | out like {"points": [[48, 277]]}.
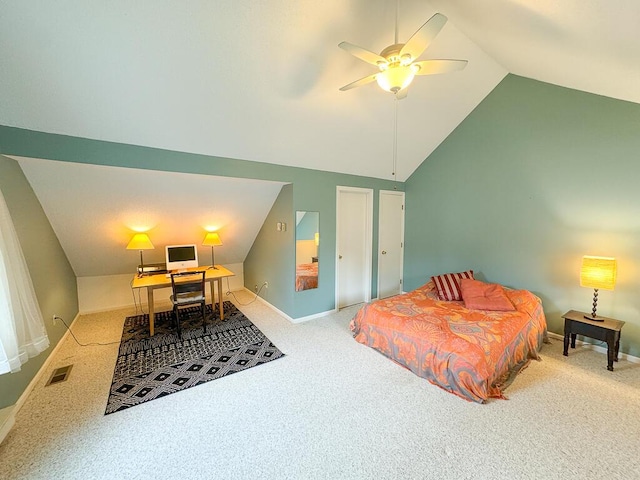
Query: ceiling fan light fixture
{"points": [[395, 78]]}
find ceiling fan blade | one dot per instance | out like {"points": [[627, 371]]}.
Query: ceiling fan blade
{"points": [[433, 67], [420, 40], [362, 54], [357, 83]]}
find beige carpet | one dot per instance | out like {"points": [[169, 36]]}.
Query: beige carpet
{"points": [[330, 409]]}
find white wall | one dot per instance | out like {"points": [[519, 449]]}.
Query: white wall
{"points": [[114, 291]]}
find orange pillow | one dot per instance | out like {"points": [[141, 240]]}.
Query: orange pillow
{"points": [[478, 295]]}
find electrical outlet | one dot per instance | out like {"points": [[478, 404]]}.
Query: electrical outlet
{"points": [[255, 287], [266, 284], [55, 319]]}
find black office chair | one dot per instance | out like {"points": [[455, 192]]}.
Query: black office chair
{"points": [[188, 290]]}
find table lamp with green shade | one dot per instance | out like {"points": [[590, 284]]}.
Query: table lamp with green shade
{"points": [[212, 239], [596, 273], [140, 241]]}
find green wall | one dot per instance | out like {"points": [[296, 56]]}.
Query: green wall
{"points": [[536, 177], [53, 279], [313, 190], [271, 259]]}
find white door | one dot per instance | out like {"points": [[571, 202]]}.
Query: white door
{"points": [[354, 239], [390, 243]]}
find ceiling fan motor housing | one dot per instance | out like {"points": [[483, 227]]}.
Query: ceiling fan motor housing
{"points": [[398, 72]]}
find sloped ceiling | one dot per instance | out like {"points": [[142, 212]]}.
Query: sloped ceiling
{"points": [[258, 80], [95, 210], [589, 45], [246, 79]]}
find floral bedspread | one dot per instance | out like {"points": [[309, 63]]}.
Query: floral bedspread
{"points": [[470, 353]]}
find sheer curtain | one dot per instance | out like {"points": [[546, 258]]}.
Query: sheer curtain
{"points": [[22, 331]]}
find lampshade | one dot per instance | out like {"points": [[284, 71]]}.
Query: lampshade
{"points": [[316, 237], [598, 272], [395, 78], [140, 241], [212, 239]]}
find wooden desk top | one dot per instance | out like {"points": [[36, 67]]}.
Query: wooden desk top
{"points": [[608, 323], [161, 280]]}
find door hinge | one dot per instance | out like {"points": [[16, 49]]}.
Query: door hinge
{"points": [[400, 281]]}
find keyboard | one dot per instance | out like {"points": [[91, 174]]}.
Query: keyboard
{"points": [[168, 275]]}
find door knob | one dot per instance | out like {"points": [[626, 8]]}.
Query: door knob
{"points": [[340, 257], [384, 252]]}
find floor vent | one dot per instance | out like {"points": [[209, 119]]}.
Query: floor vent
{"points": [[59, 375]]}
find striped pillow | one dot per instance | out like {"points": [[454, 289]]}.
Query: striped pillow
{"points": [[448, 285]]}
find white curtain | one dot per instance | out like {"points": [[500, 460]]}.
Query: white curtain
{"points": [[22, 331]]}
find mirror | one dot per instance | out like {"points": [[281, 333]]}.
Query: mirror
{"points": [[307, 244]]}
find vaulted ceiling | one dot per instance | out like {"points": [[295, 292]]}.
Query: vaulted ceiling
{"points": [[258, 79]]}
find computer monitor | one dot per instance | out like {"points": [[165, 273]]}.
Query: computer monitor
{"points": [[181, 256]]}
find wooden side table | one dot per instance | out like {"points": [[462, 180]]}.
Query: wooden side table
{"points": [[607, 330]]}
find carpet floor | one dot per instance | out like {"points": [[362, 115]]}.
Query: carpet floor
{"points": [[153, 367], [330, 409]]}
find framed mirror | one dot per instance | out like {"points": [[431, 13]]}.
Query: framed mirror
{"points": [[307, 244]]}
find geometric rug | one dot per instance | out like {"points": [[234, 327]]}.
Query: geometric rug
{"points": [[152, 367]]}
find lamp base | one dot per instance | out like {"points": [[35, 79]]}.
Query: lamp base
{"points": [[212, 267], [594, 319]]}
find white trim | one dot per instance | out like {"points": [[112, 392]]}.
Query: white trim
{"points": [[597, 348], [291, 319], [36, 378], [7, 420], [368, 247]]}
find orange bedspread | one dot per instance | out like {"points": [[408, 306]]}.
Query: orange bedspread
{"points": [[470, 353]]}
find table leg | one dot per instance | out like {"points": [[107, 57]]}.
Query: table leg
{"points": [[565, 352], [213, 299], [617, 347], [611, 349], [151, 311], [573, 340], [220, 298]]}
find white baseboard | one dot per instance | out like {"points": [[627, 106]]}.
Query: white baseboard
{"points": [[597, 348], [291, 319], [32, 384], [7, 420]]}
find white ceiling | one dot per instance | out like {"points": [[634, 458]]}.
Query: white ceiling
{"points": [[258, 80], [95, 210], [589, 45], [247, 79]]}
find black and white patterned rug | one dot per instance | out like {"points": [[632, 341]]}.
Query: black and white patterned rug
{"points": [[153, 367]]}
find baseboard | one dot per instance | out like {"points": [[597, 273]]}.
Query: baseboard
{"points": [[7, 420], [36, 378], [597, 348], [291, 319]]}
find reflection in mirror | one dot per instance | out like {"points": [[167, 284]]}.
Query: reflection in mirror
{"points": [[307, 243]]}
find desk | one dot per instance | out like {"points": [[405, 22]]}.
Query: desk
{"points": [[608, 330], [153, 282]]}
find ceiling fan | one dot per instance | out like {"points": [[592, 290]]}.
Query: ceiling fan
{"points": [[397, 62]]}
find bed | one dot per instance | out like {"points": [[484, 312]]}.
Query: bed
{"points": [[306, 276], [471, 353]]}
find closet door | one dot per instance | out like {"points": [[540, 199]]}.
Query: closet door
{"points": [[354, 239], [390, 243]]}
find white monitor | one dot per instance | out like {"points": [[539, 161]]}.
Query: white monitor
{"points": [[181, 256]]}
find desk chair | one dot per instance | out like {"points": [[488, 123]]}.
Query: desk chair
{"points": [[187, 294]]}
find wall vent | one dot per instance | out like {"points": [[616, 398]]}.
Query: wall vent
{"points": [[59, 375]]}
